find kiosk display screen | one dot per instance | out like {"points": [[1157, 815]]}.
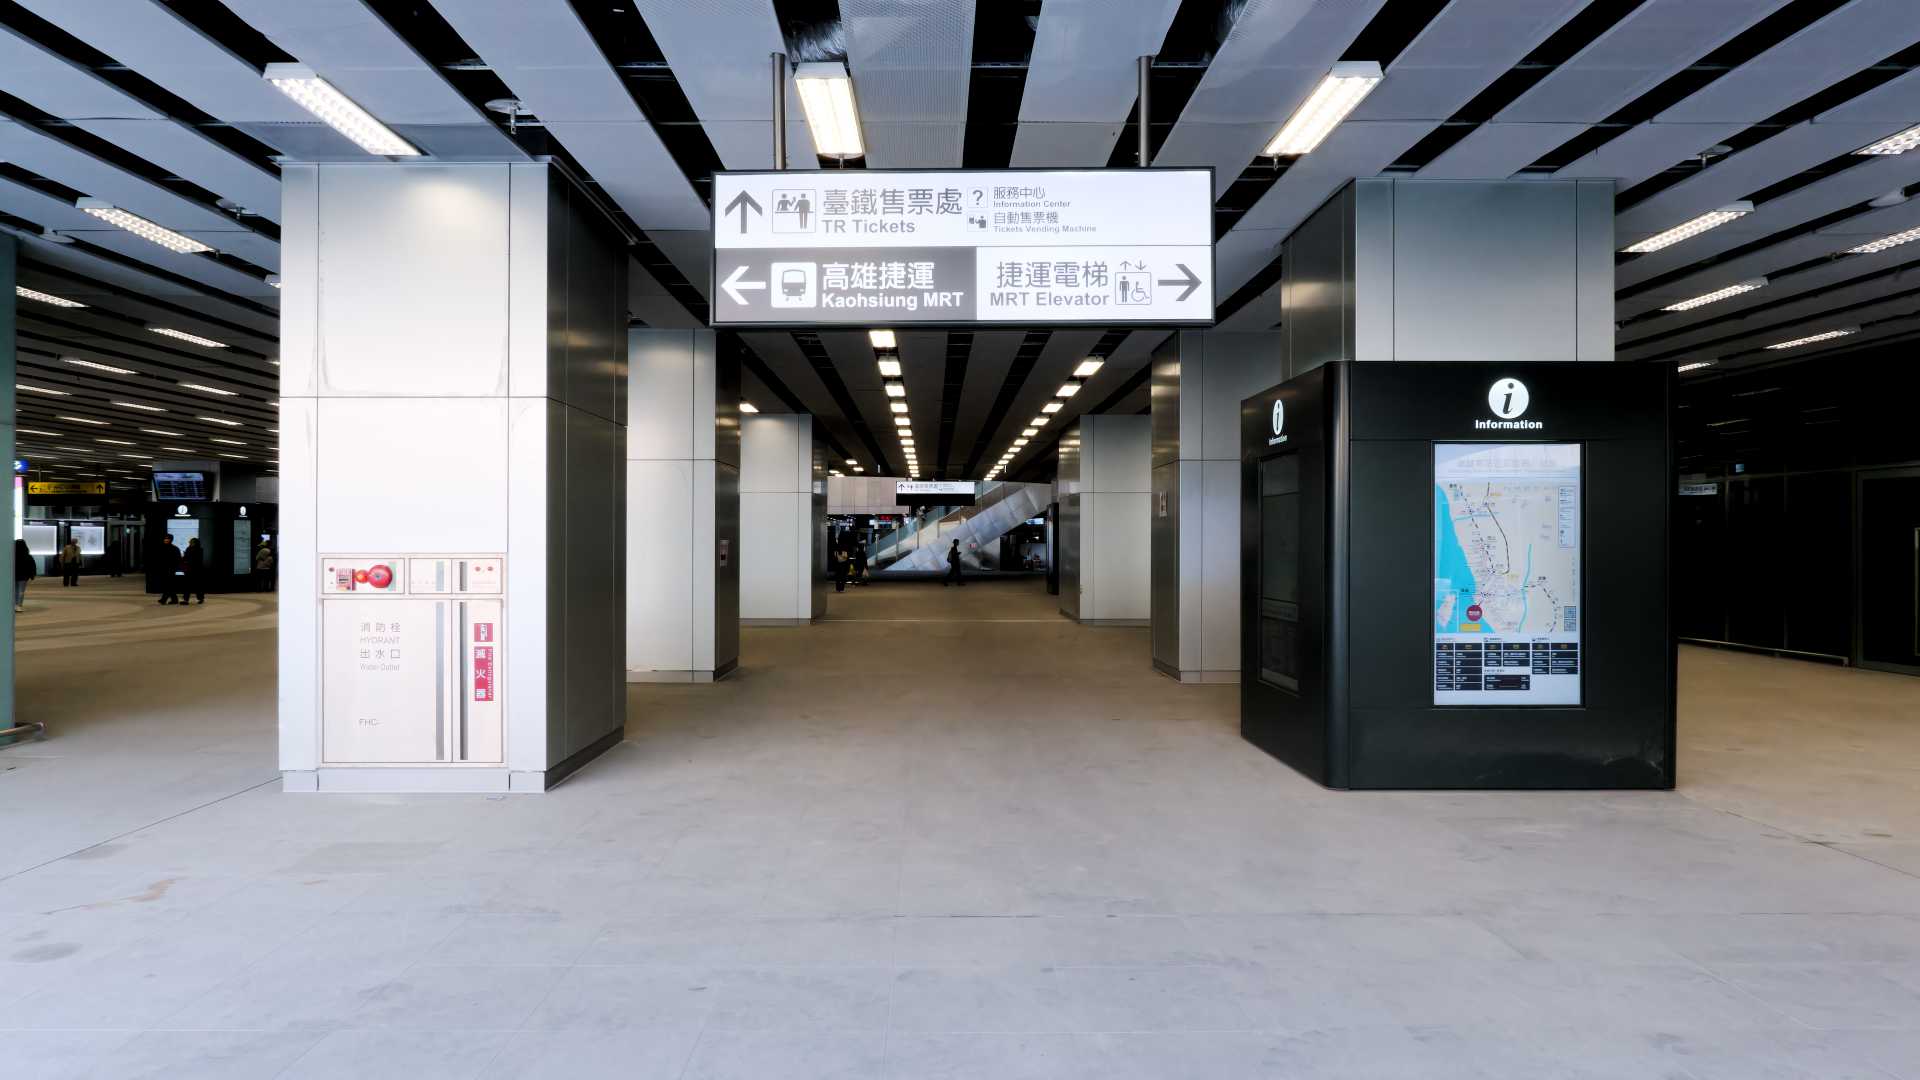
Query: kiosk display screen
{"points": [[1506, 574], [1280, 571]]}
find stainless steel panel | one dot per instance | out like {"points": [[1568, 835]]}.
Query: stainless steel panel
{"points": [[1166, 583], [1070, 555], [1317, 286]]}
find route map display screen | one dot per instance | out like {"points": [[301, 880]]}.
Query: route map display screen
{"points": [[1506, 574]]}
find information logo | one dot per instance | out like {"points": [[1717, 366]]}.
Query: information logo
{"points": [[1508, 398], [1279, 416]]}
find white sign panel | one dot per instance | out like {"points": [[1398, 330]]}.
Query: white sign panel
{"points": [[1506, 574], [933, 487], [1028, 246]]}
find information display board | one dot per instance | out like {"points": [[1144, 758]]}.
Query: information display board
{"points": [[180, 486], [1030, 246], [1506, 573]]}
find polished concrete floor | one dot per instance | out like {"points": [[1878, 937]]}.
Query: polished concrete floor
{"points": [[942, 834]]}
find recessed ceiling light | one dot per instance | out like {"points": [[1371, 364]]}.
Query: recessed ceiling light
{"points": [[1894, 144], [209, 389], [852, 461], [1067, 390], [84, 420], [41, 390], [25, 293], [217, 420], [319, 97], [37, 431], [177, 449], [881, 339], [1695, 365], [1718, 294], [1810, 339], [141, 227], [896, 389], [1051, 407], [1885, 242], [239, 457], [902, 421], [1339, 93], [227, 442], [192, 339], [273, 280], [897, 406], [890, 368], [109, 368], [1712, 219], [826, 96], [1040, 421], [115, 442], [157, 431], [137, 405], [1030, 432], [1087, 368], [749, 407]]}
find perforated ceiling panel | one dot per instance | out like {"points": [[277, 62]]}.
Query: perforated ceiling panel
{"points": [[911, 62], [1082, 81]]}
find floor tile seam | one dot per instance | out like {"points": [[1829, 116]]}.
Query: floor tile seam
{"points": [[1827, 845], [141, 828]]}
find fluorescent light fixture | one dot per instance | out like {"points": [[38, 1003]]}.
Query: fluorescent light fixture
{"points": [[25, 293], [37, 431], [1040, 421], [208, 389], [1810, 339], [157, 431], [1343, 89], [109, 368], [1712, 219], [1019, 442], [906, 440], [274, 280], [1695, 365], [182, 335], [749, 408], [1051, 407], [318, 96], [1886, 242], [897, 406], [1894, 144], [881, 339], [115, 442], [826, 96], [889, 368], [1067, 389], [1718, 294], [859, 468], [225, 442], [141, 227], [84, 420], [40, 390], [217, 420], [902, 421], [1088, 367], [177, 449], [238, 457], [896, 389], [853, 461], [1030, 433], [137, 405], [140, 457]]}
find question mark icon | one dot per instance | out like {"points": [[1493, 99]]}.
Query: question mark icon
{"points": [[976, 196]]}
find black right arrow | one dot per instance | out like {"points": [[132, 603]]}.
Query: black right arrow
{"points": [[743, 201], [1191, 281]]}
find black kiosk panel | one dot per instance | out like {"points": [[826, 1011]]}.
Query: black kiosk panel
{"points": [[1481, 597]]}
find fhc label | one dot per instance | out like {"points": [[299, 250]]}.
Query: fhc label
{"points": [[483, 631], [483, 673]]}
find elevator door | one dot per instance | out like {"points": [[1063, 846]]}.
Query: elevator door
{"points": [[1890, 571]]}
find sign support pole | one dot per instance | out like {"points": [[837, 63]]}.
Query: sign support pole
{"points": [[780, 111], [1146, 72]]}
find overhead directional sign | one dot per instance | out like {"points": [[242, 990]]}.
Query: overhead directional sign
{"points": [[1030, 246]]}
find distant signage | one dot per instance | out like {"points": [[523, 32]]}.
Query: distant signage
{"points": [[66, 487], [933, 487], [1035, 247], [1700, 489]]}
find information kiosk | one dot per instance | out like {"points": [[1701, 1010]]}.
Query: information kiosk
{"points": [[1454, 575]]}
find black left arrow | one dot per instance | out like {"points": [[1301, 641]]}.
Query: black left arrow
{"points": [[1191, 281], [742, 202]]}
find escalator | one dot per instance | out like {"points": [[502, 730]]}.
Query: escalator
{"points": [[920, 545]]}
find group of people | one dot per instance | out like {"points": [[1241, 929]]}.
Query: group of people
{"points": [[184, 572], [852, 565]]}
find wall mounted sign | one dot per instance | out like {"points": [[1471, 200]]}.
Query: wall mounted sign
{"points": [[66, 487], [1030, 246]]}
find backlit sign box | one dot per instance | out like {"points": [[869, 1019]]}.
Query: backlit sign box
{"points": [[1032, 247], [934, 492]]}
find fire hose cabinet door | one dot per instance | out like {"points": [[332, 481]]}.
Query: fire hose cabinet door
{"points": [[383, 695]]}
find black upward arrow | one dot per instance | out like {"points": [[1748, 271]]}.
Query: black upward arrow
{"points": [[742, 202], [1191, 281]]}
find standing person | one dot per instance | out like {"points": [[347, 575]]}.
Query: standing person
{"points": [[953, 567], [24, 570], [167, 562], [839, 569], [70, 564], [112, 558], [194, 563], [860, 564], [263, 567]]}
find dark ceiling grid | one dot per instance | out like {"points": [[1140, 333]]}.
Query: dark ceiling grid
{"points": [[1559, 47], [1806, 109], [1741, 315], [80, 54], [1737, 50], [1041, 461], [1194, 35], [1024, 359], [1003, 36], [816, 353], [627, 43], [953, 382], [1386, 35], [1835, 315], [67, 320], [55, 274], [430, 35]]}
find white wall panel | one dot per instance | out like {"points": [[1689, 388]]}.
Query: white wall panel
{"points": [[769, 581], [660, 546], [1121, 572], [1219, 584], [412, 474], [299, 569], [533, 432], [702, 572], [419, 302], [299, 281], [660, 397]]}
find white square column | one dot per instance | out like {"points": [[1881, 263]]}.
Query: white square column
{"points": [[683, 498], [452, 424], [783, 521], [1105, 549]]}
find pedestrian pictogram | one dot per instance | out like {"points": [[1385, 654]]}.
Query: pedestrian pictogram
{"points": [[795, 210]]}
